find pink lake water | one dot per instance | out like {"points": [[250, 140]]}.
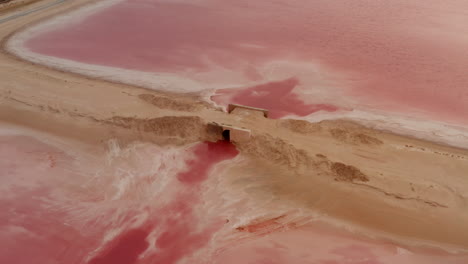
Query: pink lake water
{"points": [[407, 56], [293, 57], [278, 97], [49, 215], [146, 204]]}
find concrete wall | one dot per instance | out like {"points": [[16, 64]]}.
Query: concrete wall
{"points": [[238, 134]]}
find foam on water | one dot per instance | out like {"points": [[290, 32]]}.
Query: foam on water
{"points": [[106, 207]]}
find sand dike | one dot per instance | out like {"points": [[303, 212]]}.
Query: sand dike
{"points": [[98, 170]]}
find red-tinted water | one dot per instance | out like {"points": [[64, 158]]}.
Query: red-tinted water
{"points": [[278, 97], [126, 250], [33, 229], [410, 53], [355, 254], [181, 235], [41, 223], [206, 155], [43, 220]]}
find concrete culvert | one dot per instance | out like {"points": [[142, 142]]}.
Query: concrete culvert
{"points": [[227, 135]]}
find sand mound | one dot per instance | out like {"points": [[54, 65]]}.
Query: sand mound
{"points": [[300, 126], [178, 104], [345, 172], [179, 128], [279, 152], [347, 136], [275, 150], [346, 132]]}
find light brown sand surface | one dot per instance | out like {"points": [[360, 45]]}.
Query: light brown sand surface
{"points": [[8, 7]]}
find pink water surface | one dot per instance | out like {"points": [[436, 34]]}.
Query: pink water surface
{"points": [[398, 55], [277, 97], [48, 216], [40, 224]]}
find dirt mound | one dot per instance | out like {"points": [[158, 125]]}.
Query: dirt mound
{"points": [[300, 126], [275, 150], [170, 103], [188, 128], [339, 134], [347, 173], [341, 130], [347, 136], [366, 139], [279, 152]]}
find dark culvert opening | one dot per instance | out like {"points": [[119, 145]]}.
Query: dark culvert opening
{"points": [[227, 135]]}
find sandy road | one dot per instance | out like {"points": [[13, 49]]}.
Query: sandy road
{"points": [[30, 11], [401, 187]]}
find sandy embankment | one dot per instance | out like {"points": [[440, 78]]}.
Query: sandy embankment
{"points": [[10, 5], [375, 183], [355, 175]]}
